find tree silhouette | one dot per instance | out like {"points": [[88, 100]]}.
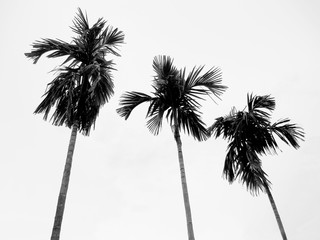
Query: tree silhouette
{"points": [[176, 97], [251, 134], [83, 84]]}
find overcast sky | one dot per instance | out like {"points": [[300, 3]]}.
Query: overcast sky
{"points": [[125, 182]]}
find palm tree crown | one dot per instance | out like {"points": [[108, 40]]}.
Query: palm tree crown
{"points": [[175, 97], [84, 81], [250, 134]]}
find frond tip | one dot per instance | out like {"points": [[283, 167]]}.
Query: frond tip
{"points": [[288, 132], [129, 101], [80, 23]]}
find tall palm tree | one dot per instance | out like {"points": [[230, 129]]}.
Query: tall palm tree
{"points": [[251, 134], [175, 97], [83, 84]]}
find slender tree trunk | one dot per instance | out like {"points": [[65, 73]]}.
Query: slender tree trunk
{"points": [[276, 213], [64, 186], [184, 184]]}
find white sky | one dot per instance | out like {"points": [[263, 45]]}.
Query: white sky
{"points": [[125, 182]]}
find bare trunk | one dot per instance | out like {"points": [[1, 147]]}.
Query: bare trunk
{"points": [[184, 184], [276, 213], [64, 186]]}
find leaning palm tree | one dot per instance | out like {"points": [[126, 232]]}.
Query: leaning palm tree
{"points": [[83, 84], [251, 134], [175, 97]]}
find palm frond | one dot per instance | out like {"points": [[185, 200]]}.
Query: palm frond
{"points": [[209, 82], [229, 167], [254, 179], [164, 68], [62, 92], [80, 23], [250, 170], [59, 48], [112, 38], [154, 123], [129, 101], [259, 104], [224, 125], [288, 132], [190, 121], [243, 163], [102, 85]]}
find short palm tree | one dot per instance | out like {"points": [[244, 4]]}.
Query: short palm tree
{"points": [[250, 135], [83, 84], [175, 97]]}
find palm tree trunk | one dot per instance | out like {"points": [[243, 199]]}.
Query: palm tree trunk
{"points": [[64, 186], [184, 184], [275, 210]]}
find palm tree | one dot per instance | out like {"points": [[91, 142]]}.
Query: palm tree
{"points": [[83, 84], [250, 135], [175, 97]]}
